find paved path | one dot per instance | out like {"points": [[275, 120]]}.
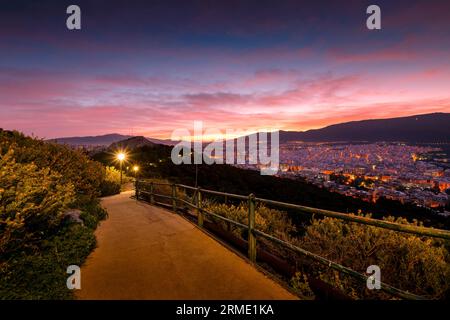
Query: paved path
{"points": [[145, 252]]}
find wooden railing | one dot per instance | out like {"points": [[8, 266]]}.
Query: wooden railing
{"points": [[144, 187]]}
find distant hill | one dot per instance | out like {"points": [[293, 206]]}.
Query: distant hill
{"points": [[433, 127], [103, 140], [132, 143]]}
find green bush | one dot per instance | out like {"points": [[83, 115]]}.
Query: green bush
{"points": [[419, 265], [92, 213], [110, 184], [163, 187], [39, 183], [32, 202], [41, 273], [300, 284], [73, 166], [268, 220], [415, 264], [109, 188]]}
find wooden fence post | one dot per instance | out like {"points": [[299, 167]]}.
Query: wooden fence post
{"points": [[199, 208], [152, 199], [136, 189], [251, 226], [174, 197]]}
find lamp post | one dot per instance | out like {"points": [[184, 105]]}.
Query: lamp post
{"points": [[135, 169], [196, 170], [121, 157], [196, 175]]}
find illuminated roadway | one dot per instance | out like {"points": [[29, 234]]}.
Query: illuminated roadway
{"points": [[146, 252]]}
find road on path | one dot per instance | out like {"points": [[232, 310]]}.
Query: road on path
{"points": [[146, 252]]}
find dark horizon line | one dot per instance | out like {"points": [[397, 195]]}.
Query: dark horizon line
{"points": [[297, 131]]}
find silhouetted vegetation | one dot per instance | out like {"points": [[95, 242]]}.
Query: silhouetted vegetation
{"points": [[48, 211], [420, 265]]}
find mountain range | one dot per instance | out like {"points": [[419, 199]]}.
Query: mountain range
{"points": [[432, 128], [106, 140], [132, 143]]}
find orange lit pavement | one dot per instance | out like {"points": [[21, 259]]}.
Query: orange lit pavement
{"points": [[146, 252]]}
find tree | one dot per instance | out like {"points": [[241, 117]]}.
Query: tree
{"points": [[32, 202]]}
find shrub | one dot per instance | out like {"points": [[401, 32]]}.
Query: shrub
{"points": [[163, 187], [112, 175], [39, 182], [110, 184], [416, 264], [73, 166], [92, 213], [300, 284], [41, 273], [32, 202], [419, 265], [268, 220], [109, 188]]}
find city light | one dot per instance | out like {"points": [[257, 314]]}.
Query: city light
{"points": [[135, 169], [121, 156]]}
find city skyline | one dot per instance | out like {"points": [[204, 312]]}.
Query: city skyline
{"points": [[147, 68]]}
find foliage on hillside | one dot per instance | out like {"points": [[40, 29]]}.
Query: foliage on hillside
{"points": [[420, 265], [111, 183], [163, 187], [273, 222], [74, 167], [415, 264], [32, 202], [39, 183]]}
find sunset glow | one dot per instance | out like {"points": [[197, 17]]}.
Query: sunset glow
{"points": [[159, 68]]}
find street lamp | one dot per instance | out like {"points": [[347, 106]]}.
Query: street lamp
{"points": [[135, 169], [196, 175], [121, 158]]}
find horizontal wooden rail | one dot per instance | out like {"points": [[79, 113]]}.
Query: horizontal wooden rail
{"points": [[218, 193], [363, 278], [187, 203], [253, 232], [423, 231], [156, 194], [238, 224], [186, 187], [158, 183]]}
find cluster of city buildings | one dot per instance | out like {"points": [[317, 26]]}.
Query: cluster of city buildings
{"points": [[370, 171]]}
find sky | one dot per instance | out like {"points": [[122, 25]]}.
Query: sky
{"points": [[151, 67]]}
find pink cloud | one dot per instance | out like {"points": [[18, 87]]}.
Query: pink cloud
{"points": [[55, 104]]}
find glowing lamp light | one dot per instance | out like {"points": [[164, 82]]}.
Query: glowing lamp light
{"points": [[121, 157]]}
